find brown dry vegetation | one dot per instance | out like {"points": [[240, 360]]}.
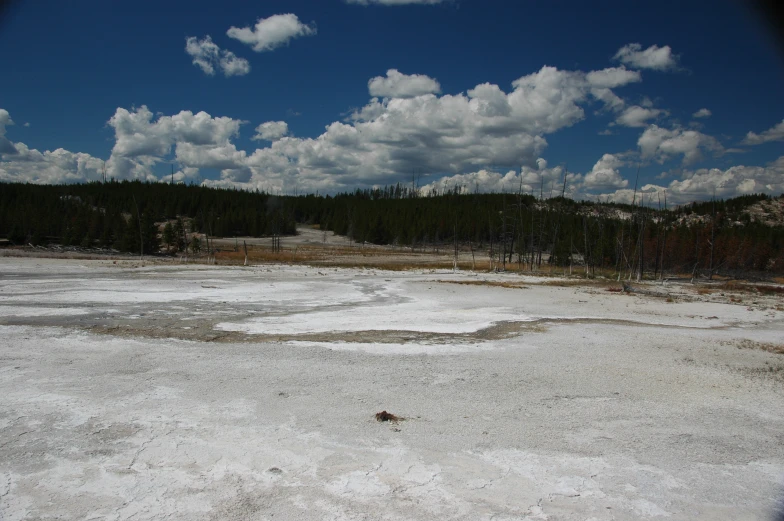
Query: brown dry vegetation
{"points": [[745, 287], [764, 346], [735, 290], [387, 258], [493, 283], [393, 259], [770, 290], [565, 283]]}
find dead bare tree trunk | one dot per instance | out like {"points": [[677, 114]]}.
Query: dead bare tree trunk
{"points": [[532, 233], [697, 257], [245, 245], [141, 236], [618, 264], [503, 235], [454, 240], [713, 238], [658, 235], [541, 220], [585, 240], [642, 240], [490, 232], [664, 238]]}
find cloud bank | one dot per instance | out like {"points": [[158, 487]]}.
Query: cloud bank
{"points": [[409, 126]]}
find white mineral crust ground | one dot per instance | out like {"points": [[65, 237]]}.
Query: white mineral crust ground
{"points": [[208, 392]]}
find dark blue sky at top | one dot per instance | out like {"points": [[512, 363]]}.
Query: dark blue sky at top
{"points": [[67, 66]]}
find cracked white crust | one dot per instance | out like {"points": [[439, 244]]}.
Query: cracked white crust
{"points": [[578, 420]]}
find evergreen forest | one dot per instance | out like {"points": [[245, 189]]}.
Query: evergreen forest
{"points": [[731, 237]]}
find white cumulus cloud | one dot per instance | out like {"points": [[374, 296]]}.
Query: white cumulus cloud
{"points": [[701, 184], [201, 141], [544, 181], [29, 165], [273, 32], [662, 144], [702, 113], [536, 181], [382, 142], [654, 57], [636, 116], [6, 147], [209, 57], [5, 120], [613, 77], [395, 2], [732, 182], [398, 85], [271, 131], [605, 174], [776, 133]]}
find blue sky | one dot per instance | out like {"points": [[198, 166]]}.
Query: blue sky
{"points": [[331, 95]]}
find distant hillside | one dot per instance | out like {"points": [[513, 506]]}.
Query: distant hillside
{"points": [[725, 237]]}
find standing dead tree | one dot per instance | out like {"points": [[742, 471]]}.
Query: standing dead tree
{"points": [[141, 235], [664, 238], [454, 237], [713, 236], [643, 218]]}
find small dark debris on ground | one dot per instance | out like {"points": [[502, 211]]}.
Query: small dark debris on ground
{"points": [[385, 416]]}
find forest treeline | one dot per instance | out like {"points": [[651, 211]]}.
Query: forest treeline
{"points": [[706, 238], [116, 214], [713, 237]]}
